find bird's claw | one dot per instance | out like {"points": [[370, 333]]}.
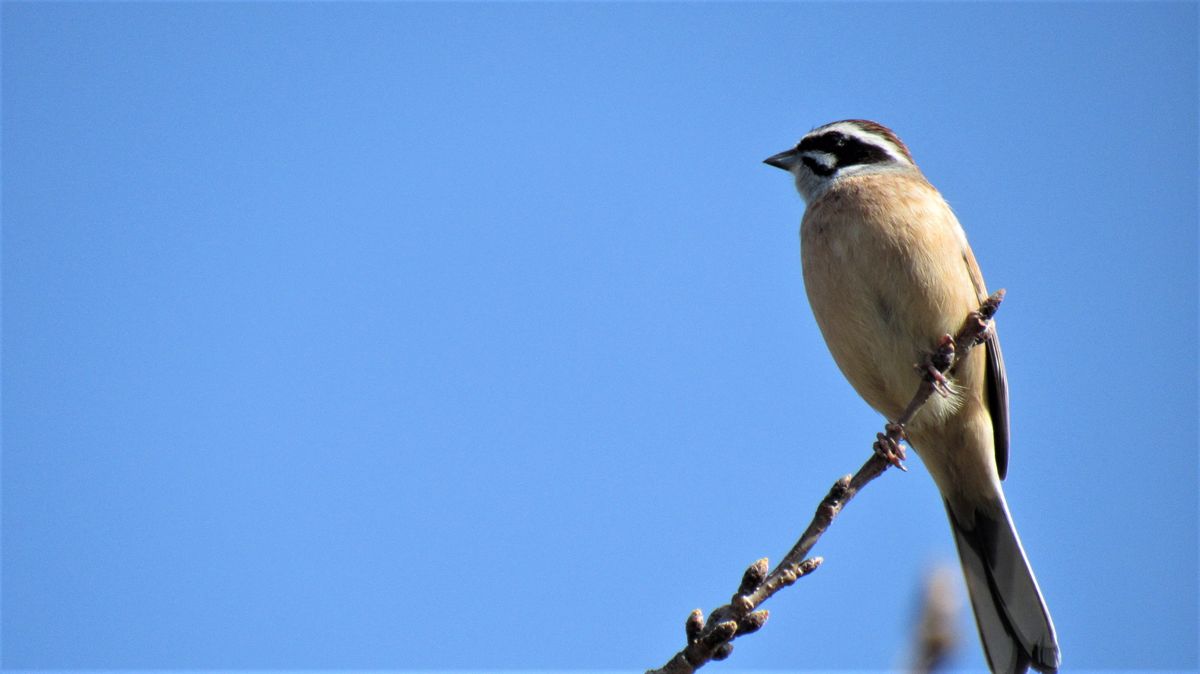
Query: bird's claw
{"points": [[938, 380], [937, 363], [888, 445]]}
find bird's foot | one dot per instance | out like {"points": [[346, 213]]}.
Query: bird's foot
{"points": [[937, 363], [889, 445]]}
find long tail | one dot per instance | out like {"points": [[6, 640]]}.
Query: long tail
{"points": [[1013, 622]]}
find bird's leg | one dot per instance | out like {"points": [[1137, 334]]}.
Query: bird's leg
{"points": [[937, 363], [932, 370]]}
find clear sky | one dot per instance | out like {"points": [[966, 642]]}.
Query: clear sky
{"points": [[457, 336]]}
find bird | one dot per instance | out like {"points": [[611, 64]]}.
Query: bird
{"points": [[888, 272]]}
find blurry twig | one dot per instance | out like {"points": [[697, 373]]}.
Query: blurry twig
{"points": [[937, 626], [712, 639]]}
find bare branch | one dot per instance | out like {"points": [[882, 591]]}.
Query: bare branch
{"points": [[712, 639]]}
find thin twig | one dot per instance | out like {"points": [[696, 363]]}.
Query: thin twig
{"points": [[712, 639]]}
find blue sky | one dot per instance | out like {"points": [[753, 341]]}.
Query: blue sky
{"points": [[455, 336]]}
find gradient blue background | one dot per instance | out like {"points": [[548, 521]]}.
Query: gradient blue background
{"points": [[473, 336]]}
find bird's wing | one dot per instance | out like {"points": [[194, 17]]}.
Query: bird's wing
{"points": [[996, 380], [997, 399]]}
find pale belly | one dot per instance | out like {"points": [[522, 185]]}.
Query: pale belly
{"points": [[884, 288]]}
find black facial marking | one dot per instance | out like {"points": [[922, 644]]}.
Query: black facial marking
{"points": [[818, 168], [848, 151]]}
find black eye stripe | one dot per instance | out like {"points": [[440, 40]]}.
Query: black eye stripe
{"points": [[848, 150], [826, 142]]}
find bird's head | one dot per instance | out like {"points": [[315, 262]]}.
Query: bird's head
{"points": [[840, 149]]}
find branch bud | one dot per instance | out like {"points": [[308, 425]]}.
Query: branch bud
{"points": [[694, 625], [752, 622], [754, 576]]}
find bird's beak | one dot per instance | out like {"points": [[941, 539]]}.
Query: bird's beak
{"points": [[784, 160]]}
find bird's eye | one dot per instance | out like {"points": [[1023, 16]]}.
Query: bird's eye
{"points": [[841, 141]]}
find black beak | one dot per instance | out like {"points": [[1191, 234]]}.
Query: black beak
{"points": [[784, 160]]}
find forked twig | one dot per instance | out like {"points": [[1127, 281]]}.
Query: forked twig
{"points": [[712, 639]]}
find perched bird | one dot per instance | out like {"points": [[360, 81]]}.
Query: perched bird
{"points": [[888, 272]]}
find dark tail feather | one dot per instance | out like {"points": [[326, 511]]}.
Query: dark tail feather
{"points": [[1013, 622]]}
